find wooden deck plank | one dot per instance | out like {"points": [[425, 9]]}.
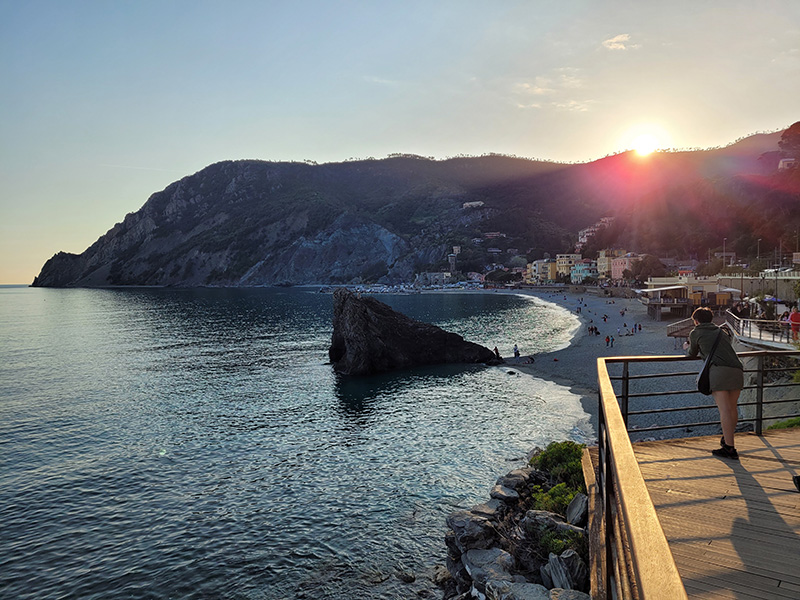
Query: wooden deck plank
{"points": [[733, 527], [728, 558], [735, 580]]}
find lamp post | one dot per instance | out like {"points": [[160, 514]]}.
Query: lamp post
{"points": [[723, 250], [759, 250]]}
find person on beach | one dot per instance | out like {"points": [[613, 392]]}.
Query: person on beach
{"points": [[516, 351], [794, 319], [727, 375]]}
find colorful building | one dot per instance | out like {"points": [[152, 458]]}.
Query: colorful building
{"points": [[623, 263], [604, 259], [565, 262], [583, 270]]}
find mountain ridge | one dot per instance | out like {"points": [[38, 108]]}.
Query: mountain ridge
{"points": [[251, 222]]}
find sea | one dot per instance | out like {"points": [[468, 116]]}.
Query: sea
{"points": [[195, 443]]}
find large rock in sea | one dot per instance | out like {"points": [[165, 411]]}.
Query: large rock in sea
{"points": [[370, 337]]}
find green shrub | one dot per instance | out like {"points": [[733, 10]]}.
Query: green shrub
{"points": [[794, 422], [562, 460], [558, 542], [555, 500]]}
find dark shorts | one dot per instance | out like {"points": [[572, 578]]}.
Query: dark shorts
{"points": [[726, 378]]}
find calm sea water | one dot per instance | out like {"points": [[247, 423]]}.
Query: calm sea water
{"points": [[194, 444]]}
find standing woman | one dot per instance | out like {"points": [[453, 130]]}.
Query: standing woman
{"points": [[726, 375]]}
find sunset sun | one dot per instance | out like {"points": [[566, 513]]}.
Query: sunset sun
{"points": [[644, 138], [645, 144]]}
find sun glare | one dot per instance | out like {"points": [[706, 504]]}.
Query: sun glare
{"points": [[645, 144], [644, 138]]}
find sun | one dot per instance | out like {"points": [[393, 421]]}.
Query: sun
{"points": [[645, 144], [644, 138]]}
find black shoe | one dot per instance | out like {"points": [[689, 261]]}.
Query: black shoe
{"points": [[726, 452]]}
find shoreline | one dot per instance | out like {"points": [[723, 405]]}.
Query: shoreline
{"points": [[574, 366]]}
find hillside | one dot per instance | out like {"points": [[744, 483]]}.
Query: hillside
{"points": [[247, 223]]}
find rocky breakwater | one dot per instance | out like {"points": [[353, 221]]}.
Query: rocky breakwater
{"points": [[370, 337], [509, 549]]}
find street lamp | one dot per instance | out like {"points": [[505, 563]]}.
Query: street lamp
{"points": [[723, 250], [759, 249]]}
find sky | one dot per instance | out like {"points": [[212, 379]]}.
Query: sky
{"points": [[104, 102]]}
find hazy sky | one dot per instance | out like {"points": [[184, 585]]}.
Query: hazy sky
{"points": [[104, 102]]}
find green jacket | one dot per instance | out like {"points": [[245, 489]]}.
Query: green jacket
{"points": [[701, 339]]}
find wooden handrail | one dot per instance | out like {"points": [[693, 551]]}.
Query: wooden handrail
{"points": [[652, 564], [635, 561]]}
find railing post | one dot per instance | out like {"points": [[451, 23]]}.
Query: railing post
{"points": [[605, 490], [608, 523], [624, 395], [760, 395]]}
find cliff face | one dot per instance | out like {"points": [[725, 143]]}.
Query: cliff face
{"points": [[248, 223]]}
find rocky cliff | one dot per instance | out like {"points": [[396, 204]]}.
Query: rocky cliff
{"points": [[246, 223], [370, 337]]}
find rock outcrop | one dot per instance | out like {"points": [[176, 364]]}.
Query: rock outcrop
{"points": [[370, 337], [494, 550]]}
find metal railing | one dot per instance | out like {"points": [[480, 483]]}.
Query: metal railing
{"points": [[762, 329], [666, 300], [682, 325], [637, 562]]}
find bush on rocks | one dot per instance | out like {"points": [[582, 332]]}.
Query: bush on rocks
{"points": [[562, 460], [556, 499]]}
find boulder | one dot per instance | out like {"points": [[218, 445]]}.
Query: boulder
{"points": [[459, 577], [555, 573], [578, 571], [485, 565], [494, 509], [515, 479], [452, 547], [561, 594], [370, 337], [578, 510], [471, 530], [501, 492], [507, 590], [535, 520]]}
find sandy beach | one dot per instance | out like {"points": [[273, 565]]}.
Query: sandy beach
{"points": [[576, 366]]}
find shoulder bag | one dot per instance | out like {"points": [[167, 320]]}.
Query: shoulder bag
{"points": [[704, 377]]}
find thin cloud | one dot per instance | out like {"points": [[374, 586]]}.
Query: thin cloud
{"points": [[619, 42], [541, 86], [574, 105], [558, 88]]}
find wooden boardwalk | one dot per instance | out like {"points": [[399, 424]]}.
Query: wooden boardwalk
{"points": [[733, 527]]}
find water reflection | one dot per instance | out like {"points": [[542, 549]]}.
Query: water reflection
{"points": [[358, 393]]}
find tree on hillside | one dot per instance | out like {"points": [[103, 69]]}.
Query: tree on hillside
{"points": [[790, 141], [710, 268], [501, 276], [648, 267]]}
